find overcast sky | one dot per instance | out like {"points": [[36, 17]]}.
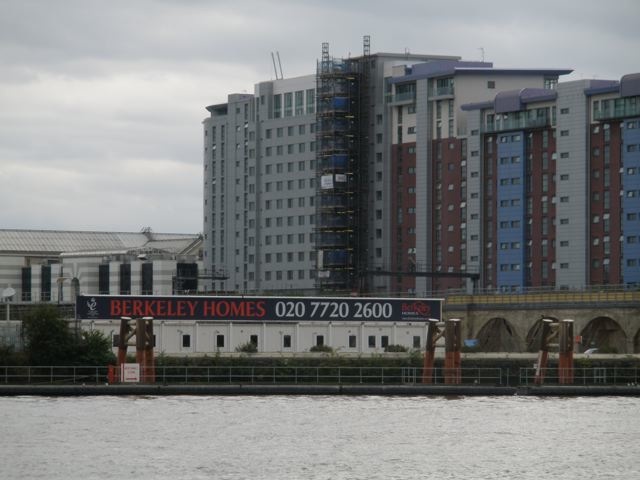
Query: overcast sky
{"points": [[101, 102]]}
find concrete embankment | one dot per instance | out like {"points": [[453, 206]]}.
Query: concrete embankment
{"points": [[346, 390]]}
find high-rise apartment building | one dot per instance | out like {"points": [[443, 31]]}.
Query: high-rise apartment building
{"points": [[409, 174]]}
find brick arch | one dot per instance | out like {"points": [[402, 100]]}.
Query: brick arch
{"points": [[606, 334], [533, 335], [499, 335]]}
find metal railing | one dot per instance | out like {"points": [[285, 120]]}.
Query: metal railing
{"points": [[586, 376], [310, 375], [176, 375], [550, 297]]}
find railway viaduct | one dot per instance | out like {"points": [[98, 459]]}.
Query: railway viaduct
{"points": [[608, 320]]}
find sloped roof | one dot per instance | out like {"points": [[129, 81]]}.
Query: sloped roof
{"points": [[55, 242]]}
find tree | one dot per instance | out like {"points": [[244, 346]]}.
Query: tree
{"points": [[47, 338], [49, 341], [94, 349]]}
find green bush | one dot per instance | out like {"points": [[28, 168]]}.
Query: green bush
{"points": [[248, 347], [49, 341], [396, 348], [321, 348]]}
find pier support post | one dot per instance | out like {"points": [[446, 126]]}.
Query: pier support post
{"points": [[543, 353], [433, 335], [565, 359], [142, 330], [452, 362]]}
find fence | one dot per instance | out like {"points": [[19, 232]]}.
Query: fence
{"points": [[586, 376], [251, 374], [55, 375]]}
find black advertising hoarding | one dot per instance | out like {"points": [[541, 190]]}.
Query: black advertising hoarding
{"points": [[259, 309]]}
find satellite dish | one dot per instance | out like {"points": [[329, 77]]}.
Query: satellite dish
{"points": [[8, 292]]}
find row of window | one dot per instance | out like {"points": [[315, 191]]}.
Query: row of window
{"points": [[291, 239], [290, 221], [300, 108], [372, 341], [279, 167], [291, 130], [279, 203], [290, 184], [279, 256], [291, 149]]}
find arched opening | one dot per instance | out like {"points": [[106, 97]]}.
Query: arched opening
{"points": [[636, 343], [533, 336], [605, 334], [498, 335]]}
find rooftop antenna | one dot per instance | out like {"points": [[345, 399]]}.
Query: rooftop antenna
{"points": [[482, 52], [280, 64], [273, 59], [366, 45]]}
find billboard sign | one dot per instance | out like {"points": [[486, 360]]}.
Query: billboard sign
{"points": [[259, 309]]}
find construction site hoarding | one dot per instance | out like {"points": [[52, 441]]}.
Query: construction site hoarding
{"points": [[259, 309]]}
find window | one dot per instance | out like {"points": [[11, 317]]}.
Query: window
{"points": [[186, 341], [384, 341], [372, 341], [491, 84], [286, 341], [319, 340], [352, 341], [416, 341], [219, 341], [253, 339]]}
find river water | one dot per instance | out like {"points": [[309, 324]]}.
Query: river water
{"points": [[319, 438]]}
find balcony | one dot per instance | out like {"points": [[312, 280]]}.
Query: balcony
{"points": [[620, 111], [441, 91], [400, 98], [517, 124]]}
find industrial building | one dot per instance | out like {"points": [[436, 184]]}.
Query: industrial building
{"points": [[404, 174], [56, 266]]}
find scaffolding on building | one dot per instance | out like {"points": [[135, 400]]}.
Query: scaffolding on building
{"points": [[341, 173]]}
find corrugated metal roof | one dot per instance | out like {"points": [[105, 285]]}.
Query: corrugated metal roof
{"points": [[57, 241]]}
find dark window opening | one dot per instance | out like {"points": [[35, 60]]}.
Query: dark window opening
{"points": [[286, 341], [416, 341], [352, 341], [254, 340], [125, 279], [384, 341], [45, 283], [372, 341], [220, 341], [26, 284], [319, 340], [147, 278], [103, 279], [186, 341]]}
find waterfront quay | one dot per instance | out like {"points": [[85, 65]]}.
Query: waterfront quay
{"points": [[606, 379]]}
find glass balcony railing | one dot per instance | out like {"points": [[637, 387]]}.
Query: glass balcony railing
{"points": [[517, 124], [621, 111], [407, 97], [441, 91]]}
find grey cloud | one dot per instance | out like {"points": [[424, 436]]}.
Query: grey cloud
{"points": [[101, 103]]}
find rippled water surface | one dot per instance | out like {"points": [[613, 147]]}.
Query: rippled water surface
{"points": [[319, 438]]}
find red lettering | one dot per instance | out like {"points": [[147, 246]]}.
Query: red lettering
{"points": [[261, 311], [222, 309], [137, 308], [115, 309], [161, 309], [208, 309], [237, 309], [126, 308], [192, 308]]}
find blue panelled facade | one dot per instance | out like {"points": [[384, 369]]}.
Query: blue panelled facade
{"points": [[511, 203], [631, 201]]}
